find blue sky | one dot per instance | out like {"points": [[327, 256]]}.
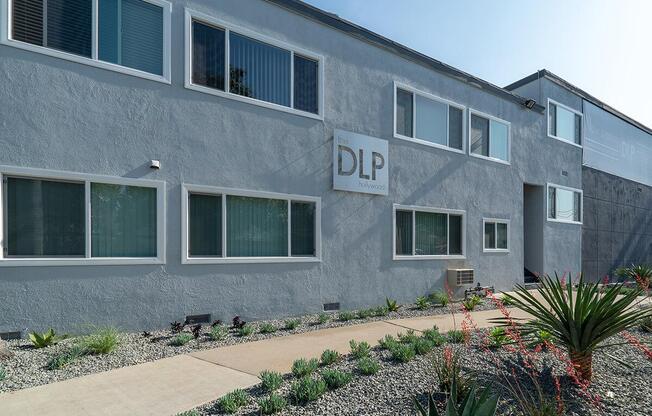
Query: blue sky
{"points": [[602, 46]]}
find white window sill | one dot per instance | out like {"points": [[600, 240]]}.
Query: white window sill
{"points": [[565, 221], [496, 250], [85, 61], [99, 261], [428, 257], [491, 159], [248, 260], [429, 144], [260, 103], [561, 139]]}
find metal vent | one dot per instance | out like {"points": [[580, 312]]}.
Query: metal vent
{"points": [[564, 173], [198, 319], [333, 306], [10, 335], [461, 277]]}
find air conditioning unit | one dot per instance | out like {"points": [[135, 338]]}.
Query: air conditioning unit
{"points": [[461, 277]]}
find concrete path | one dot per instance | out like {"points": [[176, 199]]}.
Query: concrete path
{"points": [[180, 383]]}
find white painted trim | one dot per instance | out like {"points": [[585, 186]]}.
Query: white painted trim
{"points": [[165, 78], [187, 189], [432, 97], [191, 15], [568, 188], [414, 208], [496, 221], [87, 179], [551, 101], [499, 120]]}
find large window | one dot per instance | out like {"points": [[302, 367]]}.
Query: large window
{"points": [[564, 123], [224, 225], [239, 64], [64, 218], [489, 137], [124, 35], [564, 204], [428, 233], [427, 119], [496, 235]]}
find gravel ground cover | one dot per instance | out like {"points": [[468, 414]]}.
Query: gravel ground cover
{"points": [[623, 391], [28, 366]]}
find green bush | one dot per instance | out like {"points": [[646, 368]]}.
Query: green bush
{"points": [[368, 366], [498, 337], [402, 353], [365, 313], [387, 342], [102, 341], [189, 413], [646, 324], [3, 373], [335, 378], [408, 338], [267, 328], [231, 402], [272, 404], [380, 311], [423, 346], [470, 303], [245, 330], [329, 357], [181, 339], [359, 350], [219, 332], [307, 389], [434, 336], [322, 318], [422, 303], [291, 324], [271, 380], [439, 297], [392, 305], [455, 336], [303, 367], [345, 316], [65, 358], [43, 340], [481, 403]]}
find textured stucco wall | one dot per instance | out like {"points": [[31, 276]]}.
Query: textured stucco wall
{"points": [[66, 116]]}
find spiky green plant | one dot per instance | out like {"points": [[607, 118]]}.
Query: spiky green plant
{"points": [[422, 303], [359, 349], [303, 367], [335, 378], [392, 305], [579, 321], [272, 404], [483, 403], [641, 273], [101, 341], [43, 340], [267, 328], [329, 357], [271, 380]]}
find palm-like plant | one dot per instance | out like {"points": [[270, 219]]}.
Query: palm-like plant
{"points": [[580, 321]]}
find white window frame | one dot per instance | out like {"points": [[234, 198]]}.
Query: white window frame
{"points": [[5, 38], [187, 189], [415, 92], [568, 188], [87, 179], [558, 104], [191, 15], [414, 208], [509, 136], [495, 221]]}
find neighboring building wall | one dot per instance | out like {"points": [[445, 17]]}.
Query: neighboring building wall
{"points": [[66, 116], [617, 229]]}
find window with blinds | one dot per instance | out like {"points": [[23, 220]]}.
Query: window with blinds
{"points": [[130, 33], [425, 233], [225, 60]]}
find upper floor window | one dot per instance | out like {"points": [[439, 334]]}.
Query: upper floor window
{"points": [[129, 35], [424, 233], [427, 119], [564, 123], [489, 137], [242, 64], [564, 204]]}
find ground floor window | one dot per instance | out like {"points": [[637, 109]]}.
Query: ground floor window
{"points": [[59, 216], [422, 232], [235, 225], [564, 204], [496, 235]]}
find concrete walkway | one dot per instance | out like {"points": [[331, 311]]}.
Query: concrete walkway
{"points": [[176, 384]]}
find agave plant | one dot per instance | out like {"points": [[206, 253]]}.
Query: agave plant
{"points": [[43, 340], [579, 321], [482, 404]]}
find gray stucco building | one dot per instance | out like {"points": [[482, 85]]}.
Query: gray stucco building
{"points": [[189, 157]]}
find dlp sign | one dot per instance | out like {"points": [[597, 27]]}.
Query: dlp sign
{"points": [[360, 163]]}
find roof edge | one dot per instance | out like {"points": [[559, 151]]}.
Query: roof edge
{"points": [[334, 21], [578, 91]]}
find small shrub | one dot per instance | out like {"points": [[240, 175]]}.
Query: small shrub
{"points": [[470, 303], [478, 403], [196, 331], [387, 342], [335, 378], [380, 311], [329, 357], [408, 338], [291, 324], [422, 303], [392, 305], [102, 341], [62, 360], [3, 373], [402, 353], [271, 380], [43, 340], [245, 330], [176, 327], [646, 324], [237, 322], [272, 404], [439, 297], [434, 336], [322, 318], [189, 413], [455, 336], [219, 332], [303, 367], [498, 337], [449, 373], [345, 316], [181, 339], [359, 350], [365, 313], [307, 389], [423, 346], [267, 328], [368, 366], [231, 402]]}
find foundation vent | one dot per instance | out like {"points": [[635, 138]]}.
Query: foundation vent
{"points": [[198, 319], [10, 335], [333, 306]]}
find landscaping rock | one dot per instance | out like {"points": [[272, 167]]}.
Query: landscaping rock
{"points": [[5, 352]]}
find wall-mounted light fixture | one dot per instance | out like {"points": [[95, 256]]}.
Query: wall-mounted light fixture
{"points": [[529, 103], [155, 164]]}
